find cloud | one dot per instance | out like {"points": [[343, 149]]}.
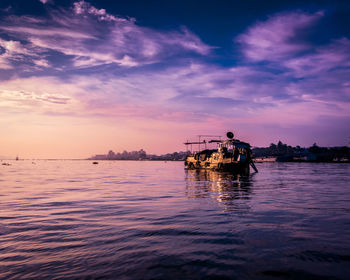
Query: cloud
{"points": [[14, 51], [41, 63], [277, 37], [321, 76], [45, 1], [296, 84], [14, 100], [324, 59], [194, 98], [6, 10], [35, 31], [88, 37], [83, 7], [308, 73], [190, 93]]}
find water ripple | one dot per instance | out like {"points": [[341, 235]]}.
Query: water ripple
{"points": [[151, 220]]}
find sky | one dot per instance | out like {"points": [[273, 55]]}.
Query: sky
{"points": [[79, 78]]}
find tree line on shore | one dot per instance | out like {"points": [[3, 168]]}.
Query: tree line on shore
{"points": [[284, 152], [281, 151]]}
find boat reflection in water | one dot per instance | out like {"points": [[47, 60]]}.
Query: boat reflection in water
{"points": [[231, 190]]}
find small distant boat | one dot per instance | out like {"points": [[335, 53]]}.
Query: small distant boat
{"points": [[231, 155], [94, 162], [265, 159]]}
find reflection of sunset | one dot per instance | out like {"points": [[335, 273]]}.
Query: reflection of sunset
{"points": [[73, 219], [222, 187]]}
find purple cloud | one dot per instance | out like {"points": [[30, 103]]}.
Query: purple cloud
{"points": [[324, 59], [276, 37], [91, 36], [15, 51], [308, 74]]}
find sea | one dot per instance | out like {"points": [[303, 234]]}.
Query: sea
{"points": [[72, 219]]}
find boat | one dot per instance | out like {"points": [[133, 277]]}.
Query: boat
{"points": [[231, 155]]}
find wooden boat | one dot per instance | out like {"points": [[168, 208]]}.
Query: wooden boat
{"points": [[231, 155]]}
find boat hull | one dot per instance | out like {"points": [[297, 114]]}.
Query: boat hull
{"points": [[227, 165]]}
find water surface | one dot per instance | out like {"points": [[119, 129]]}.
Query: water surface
{"points": [[153, 220]]}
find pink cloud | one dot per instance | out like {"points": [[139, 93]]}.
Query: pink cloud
{"points": [[135, 103], [193, 93], [35, 31], [276, 37], [41, 63]]}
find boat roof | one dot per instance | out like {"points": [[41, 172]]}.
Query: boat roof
{"points": [[231, 142]]}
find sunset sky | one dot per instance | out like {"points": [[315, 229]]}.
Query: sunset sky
{"points": [[79, 78]]}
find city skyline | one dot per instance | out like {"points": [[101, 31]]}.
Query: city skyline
{"points": [[83, 77]]}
